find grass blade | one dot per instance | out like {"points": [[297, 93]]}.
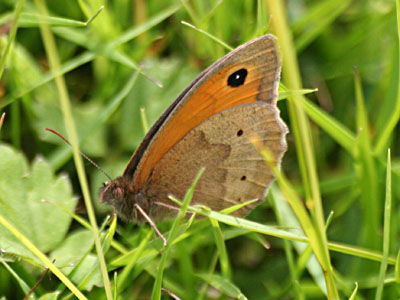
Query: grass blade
{"points": [[366, 169], [138, 30], [122, 279], [156, 294], [314, 229], [51, 51], [13, 33], [60, 156], [279, 205], [353, 295], [315, 22], [223, 285], [223, 255], [394, 119], [46, 261], [386, 229], [341, 134], [24, 287], [214, 38]]}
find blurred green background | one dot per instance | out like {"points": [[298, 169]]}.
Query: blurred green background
{"points": [[100, 63]]}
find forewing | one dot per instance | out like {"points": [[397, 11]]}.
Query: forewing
{"points": [[212, 92]]}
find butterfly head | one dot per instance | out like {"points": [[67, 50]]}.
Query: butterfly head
{"points": [[119, 193]]}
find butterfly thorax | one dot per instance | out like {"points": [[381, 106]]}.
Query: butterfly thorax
{"points": [[121, 194]]}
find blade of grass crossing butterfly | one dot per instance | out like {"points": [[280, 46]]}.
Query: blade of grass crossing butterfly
{"points": [[156, 293]]}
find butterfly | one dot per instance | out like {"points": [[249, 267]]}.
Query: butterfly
{"points": [[209, 125]]}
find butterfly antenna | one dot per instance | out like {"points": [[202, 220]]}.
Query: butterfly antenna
{"points": [[83, 154]]}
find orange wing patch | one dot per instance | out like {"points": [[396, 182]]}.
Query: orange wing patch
{"points": [[213, 96]]}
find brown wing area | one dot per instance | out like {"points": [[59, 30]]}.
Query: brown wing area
{"points": [[235, 171], [212, 94]]}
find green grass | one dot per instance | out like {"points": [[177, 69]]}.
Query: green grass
{"points": [[329, 227]]}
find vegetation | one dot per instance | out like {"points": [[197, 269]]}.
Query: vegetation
{"points": [[329, 226]]}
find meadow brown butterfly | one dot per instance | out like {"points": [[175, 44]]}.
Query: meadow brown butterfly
{"points": [[209, 125]]}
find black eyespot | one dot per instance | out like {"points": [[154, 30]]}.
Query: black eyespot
{"points": [[240, 132], [105, 184], [243, 178], [237, 78]]}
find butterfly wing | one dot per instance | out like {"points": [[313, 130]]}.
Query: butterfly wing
{"points": [[235, 171], [248, 74]]}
